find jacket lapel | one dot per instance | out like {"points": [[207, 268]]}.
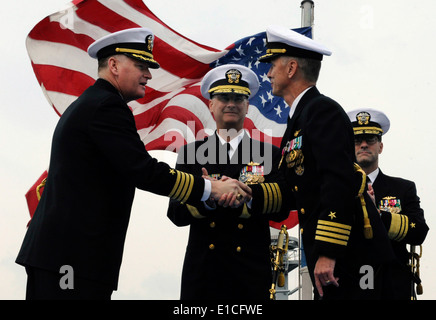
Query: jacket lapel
{"points": [[307, 97], [381, 188]]}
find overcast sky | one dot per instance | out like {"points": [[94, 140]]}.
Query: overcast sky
{"points": [[383, 58]]}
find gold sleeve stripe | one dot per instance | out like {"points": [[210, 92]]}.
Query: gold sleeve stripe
{"points": [[272, 197], [187, 187], [332, 229], [175, 185], [190, 186], [182, 187], [343, 243], [399, 227], [333, 232], [328, 234], [334, 224], [278, 194], [265, 197], [194, 212]]}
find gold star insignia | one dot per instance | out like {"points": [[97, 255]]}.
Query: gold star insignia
{"points": [[332, 215], [412, 225], [172, 171]]}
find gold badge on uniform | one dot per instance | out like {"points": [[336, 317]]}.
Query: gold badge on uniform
{"points": [[252, 173]]}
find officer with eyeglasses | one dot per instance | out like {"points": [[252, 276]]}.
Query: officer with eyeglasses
{"points": [[396, 198]]}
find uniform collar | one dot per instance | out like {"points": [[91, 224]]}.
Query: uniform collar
{"points": [[296, 101], [373, 175], [233, 143]]}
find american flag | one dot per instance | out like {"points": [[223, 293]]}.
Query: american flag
{"points": [[267, 113], [173, 111]]}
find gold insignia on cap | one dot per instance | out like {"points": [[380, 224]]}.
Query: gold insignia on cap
{"points": [[233, 76], [149, 42], [363, 118]]}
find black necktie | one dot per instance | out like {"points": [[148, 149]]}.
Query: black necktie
{"points": [[228, 151]]}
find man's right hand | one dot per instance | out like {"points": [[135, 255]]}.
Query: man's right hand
{"points": [[230, 192]]}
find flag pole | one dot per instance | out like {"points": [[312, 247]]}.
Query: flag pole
{"points": [[307, 14], [304, 282]]}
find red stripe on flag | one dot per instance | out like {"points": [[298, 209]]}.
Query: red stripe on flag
{"points": [[96, 13], [139, 6], [258, 134], [171, 59], [290, 222], [54, 32], [179, 58], [50, 77]]}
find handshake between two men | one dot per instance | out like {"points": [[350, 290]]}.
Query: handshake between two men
{"points": [[228, 192]]}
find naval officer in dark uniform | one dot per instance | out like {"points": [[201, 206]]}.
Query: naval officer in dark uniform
{"points": [[97, 162], [227, 256], [396, 198], [336, 215]]}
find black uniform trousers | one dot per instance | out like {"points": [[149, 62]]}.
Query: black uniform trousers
{"points": [[46, 285]]}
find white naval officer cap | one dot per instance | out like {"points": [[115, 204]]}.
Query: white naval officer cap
{"points": [[283, 41], [369, 121], [136, 43], [230, 78]]}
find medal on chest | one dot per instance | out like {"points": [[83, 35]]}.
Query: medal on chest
{"points": [[293, 154], [390, 204], [252, 173]]}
